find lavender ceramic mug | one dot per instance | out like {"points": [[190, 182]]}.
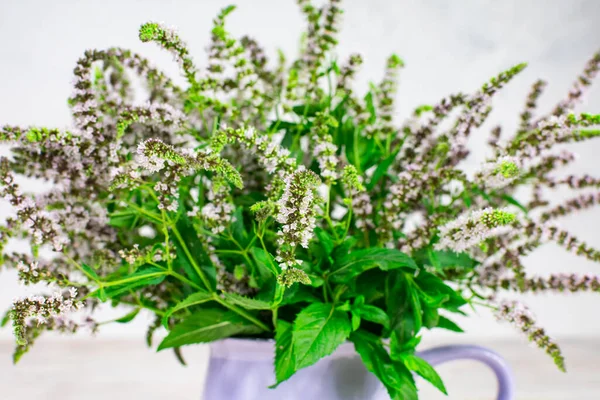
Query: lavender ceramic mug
{"points": [[241, 369]]}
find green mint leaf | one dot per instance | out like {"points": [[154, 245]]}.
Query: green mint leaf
{"points": [[318, 330], [285, 362], [425, 370], [359, 261], [128, 317], [395, 377], [373, 314], [445, 323], [195, 299], [246, 302], [207, 326], [325, 240], [149, 276]]}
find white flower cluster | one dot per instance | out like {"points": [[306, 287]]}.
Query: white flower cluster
{"points": [[362, 207], [32, 271], [273, 157], [515, 312], [407, 189], [325, 153], [472, 228], [550, 131], [471, 117], [217, 214], [152, 162], [41, 225], [131, 255], [296, 213], [42, 308]]}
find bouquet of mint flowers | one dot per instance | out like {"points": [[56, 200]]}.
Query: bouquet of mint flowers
{"points": [[270, 200]]}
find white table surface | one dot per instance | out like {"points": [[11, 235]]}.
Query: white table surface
{"points": [[102, 369]]}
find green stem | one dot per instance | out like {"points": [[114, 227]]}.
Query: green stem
{"points": [[177, 276], [275, 309], [195, 265], [133, 279], [149, 214], [325, 295]]}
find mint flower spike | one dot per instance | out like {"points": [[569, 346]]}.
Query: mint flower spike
{"points": [[472, 228], [351, 179], [362, 207], [324, 151], [154, 155], [42, 309], [521, 318], [272, 156], [496, 218], [164, 115], [297, 215], [478, 108], [499, 173], [168, 39], [583, 82]]}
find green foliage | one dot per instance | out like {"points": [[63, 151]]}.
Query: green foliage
{"points": [[355, 263], [206, 326], [275, 202], [318, 330], [285, 362], [393, 374], [194, 299]]}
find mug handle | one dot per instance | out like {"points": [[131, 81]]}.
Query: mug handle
{"points": [[440, 355], [503, 372]]}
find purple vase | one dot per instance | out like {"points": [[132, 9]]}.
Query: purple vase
{"points": [[242, 369]]}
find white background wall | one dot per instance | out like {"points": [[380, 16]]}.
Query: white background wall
{"points": [[448, 46]]}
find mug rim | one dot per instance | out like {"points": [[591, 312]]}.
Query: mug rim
{"points": [[255, 349]]}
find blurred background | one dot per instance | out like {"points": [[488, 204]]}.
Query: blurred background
{"points": [[447, 47]]}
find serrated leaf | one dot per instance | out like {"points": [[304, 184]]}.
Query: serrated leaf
{"points": [[355, 321], [380, 171], [207, 326], [398, 301], [444, 259], [434, 286], [359, 261], [195, 299], [425, 370], [182, 262], [318, 330], [285, 362], [415, 302], [397, 380], [146, 276], [298, 294], [264, 260], [450, 325], [128, 317], [343, 249], [89, 271], [325, 240], [399, 349], [238, 227], [373, 314], [246, 302], [123, 219]]}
